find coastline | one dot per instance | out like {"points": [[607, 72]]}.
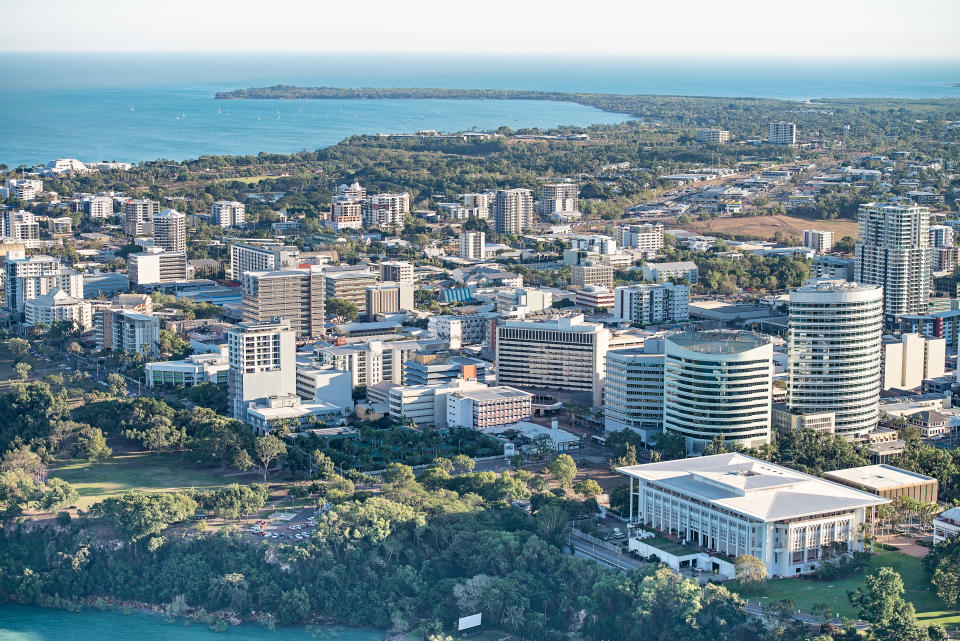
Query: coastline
{"points": [[217, 620]]}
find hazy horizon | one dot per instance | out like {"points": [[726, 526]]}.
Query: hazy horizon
{"points": [[817, 29]]}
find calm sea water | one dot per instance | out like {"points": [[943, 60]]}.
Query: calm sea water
{"points": [[26, 623], [144, 107]]}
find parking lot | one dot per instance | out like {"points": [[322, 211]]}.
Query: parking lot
{"points": [[298, 527]]}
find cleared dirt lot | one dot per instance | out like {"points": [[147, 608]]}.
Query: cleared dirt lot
{"points": [[767, 226]]}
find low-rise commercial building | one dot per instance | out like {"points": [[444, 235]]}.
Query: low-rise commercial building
{"points": [[195, 369], [888, 481], [490, 408], [729, 505]]}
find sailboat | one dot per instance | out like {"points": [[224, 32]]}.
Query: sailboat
{"points": [[341, 113], [131, 107], [218, 110], [258, 116]]}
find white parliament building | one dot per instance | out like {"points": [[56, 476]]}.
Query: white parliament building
{"points": [[726, 505]]}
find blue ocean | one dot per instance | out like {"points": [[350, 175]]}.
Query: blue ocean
{"points": [[140, 107]]}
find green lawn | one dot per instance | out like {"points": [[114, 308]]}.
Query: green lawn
{"points": [[138, 470], [916, 582]]}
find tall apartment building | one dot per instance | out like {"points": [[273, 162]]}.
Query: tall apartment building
{"points": [[262, 358], [817, 240], [28, 278], [712, 136], [97, 206], [646, 237], [473, 245], [398, 271], [350, 286], [649, 304], [138, 216], [893, 250], [718, 383], [833, 357], [156, 266], [558, 198], [687, 269], [633, 390], [388, 298], [910, 359], [228, 213], [941, 236], [480, 205], [295, 295], [513, 211], [170, 230], [346, 214], [248, 257], [782, 133], [23, 188], [352, 191], [591, 273], [565, 355], [127, 324], [22, 227], [386, 211]]}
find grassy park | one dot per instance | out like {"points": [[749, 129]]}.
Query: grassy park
{"points": [[918, 590], [137, 471]]}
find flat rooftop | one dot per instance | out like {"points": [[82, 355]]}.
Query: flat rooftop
{"points": [[879, 477], [719, 341], [752, 487]]}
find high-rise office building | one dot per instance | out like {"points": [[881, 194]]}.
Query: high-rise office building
{"points": [[893, 250], [649, 304], [591, 273], [248, 257], [138, 216], [782, 133], [295, 295], [262, 358], [833, 358], [558, 198], [228, 213], [170, 230], [513, 211], [398, 271], [351, 286], [565, 356], [633, 390], [473, 245], [718, 384], [388, 298]]}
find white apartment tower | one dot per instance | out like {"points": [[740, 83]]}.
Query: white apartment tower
{"points": [[558, 198], [513, 211], [170, 230], [473, 245], [893, 250], [718, 383], [833, 358], [246, 257], [782, 133], [941, 236], [649, 304], [228, 213], [98, 206], [712, 136], [817, 240], [35, 276], [138, 217], [646, 238], [22, 227], [262, 358]]}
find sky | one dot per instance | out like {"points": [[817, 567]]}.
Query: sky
{"points": [[686, 28]]}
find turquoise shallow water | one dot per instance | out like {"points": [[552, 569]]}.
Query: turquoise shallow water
{"points": [[79, 105], [26, 623]]}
